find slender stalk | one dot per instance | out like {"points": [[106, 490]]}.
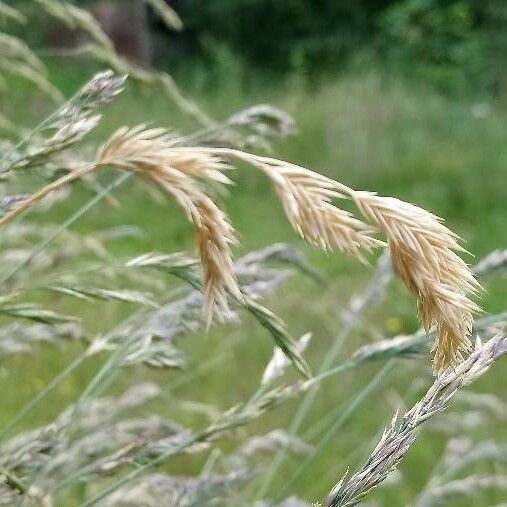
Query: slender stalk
{"points": [[29, 136], [37, 196], [73, 218], [344, 417], [242, 418], [42, 394]]}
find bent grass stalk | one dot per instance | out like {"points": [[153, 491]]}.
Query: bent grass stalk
{"points": [[71, 220], [421, 248], [236, 417], [399, 436], [356, 306], [344, 416]]}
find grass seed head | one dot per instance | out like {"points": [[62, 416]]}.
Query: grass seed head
{"points": [[423, 253]]}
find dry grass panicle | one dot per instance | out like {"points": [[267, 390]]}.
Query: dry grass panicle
{"points": [[307, 200], [152, 155], [422, 249], [423, 253], [104, 451]]}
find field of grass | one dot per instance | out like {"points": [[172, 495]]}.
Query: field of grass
{"points": [[367, 131]]}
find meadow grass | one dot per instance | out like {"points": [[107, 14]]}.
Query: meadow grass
{"points": [[366, 131]]}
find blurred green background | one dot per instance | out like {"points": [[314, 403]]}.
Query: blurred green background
{"points": [[407, 98]]}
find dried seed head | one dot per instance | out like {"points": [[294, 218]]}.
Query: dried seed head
{"points": [[99, 91], [422, 249], [307, 197], [423, 253], [152, 155]]}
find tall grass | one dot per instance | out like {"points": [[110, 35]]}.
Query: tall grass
{"points": [[151, 445]]}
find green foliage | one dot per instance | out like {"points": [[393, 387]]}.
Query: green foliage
{"points": [[454, 44], [281, 35], [457, 45]]}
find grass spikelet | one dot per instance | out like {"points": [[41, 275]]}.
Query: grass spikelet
{"points": [[423, 253], [399, 436], [307, 197], [214, 235], [99, 91], [265, 119], [149, 153], [253, 127], [68, 125]]}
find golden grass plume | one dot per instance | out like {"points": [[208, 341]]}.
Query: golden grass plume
{"points": [[423, 253], [174, 170], [422, 249], [307, 198]]}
